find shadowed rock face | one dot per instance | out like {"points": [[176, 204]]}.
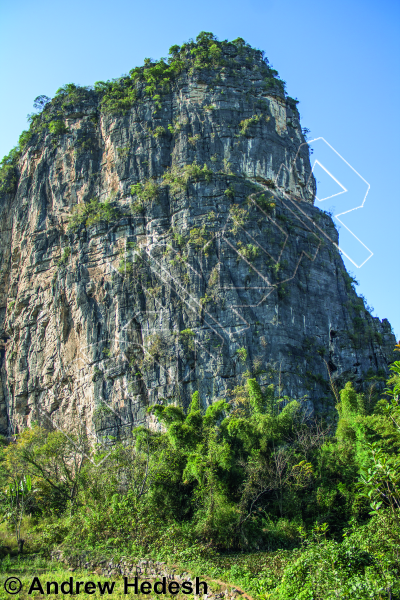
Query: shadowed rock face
{"points": [[223, 266]]}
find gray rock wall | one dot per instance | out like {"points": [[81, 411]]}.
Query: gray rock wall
{"points": [[223, 244]]}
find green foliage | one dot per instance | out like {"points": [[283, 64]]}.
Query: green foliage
{"points": [[242, 354], [246, 123], [227, 167], [266, 204], [10, 306], [54, 461], [272, 82], [230, 193], [177, 179], [153, 80], [8, 171], [70, 93], [248, 251], [283, 291], [349, 281], [64, 257], [206, 53], [256, 397], [117, 95], [40, 102], [380, 480], [239, 217], [249, 473], [252, 473], [193, 139], [353, 569], [57, 127], [158, 131], [91, 213], [145, 193], [16, 500], [123, 152], [198, 237], [126, 267], [24, 139], [187, 337], [155, 348]]}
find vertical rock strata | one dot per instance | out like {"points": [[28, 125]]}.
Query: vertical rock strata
{"points": [[215, 263]]}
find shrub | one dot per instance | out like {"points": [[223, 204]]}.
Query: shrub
{"points": [[57, 127], [246, 123], [363, 565], [91, 213], [242, 354], [145, 193], [283, 291], [198, 236], [70, 94], [158, 131], [126, 267], [64, 257], [266, 204], [24, 139], [195, 138], [230, 193], [187, 337], [238, 216], [118, 95], [248, 251], [8, 171], [123, 151], [178, 179]]}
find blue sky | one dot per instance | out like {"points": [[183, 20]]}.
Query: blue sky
{"points": [[341, 60]]}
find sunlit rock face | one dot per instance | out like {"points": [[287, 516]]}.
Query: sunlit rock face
{"points": [[215, 268]]}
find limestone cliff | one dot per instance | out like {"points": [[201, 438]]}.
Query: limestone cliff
{"points": [[158, 236]]}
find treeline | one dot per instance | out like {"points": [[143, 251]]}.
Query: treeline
{"points": [[252, 474]]}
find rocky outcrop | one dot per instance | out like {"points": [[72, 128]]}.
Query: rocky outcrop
{"points": [[161, 238]]}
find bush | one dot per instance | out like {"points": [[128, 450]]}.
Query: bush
{"points": [[64, 257], [158, 131], [364, 565], [145, 193], [246, 123], [57, 127], [8, 171], [248, 251], [252, 473], [91, 213], [118, 96], [178, 179]]}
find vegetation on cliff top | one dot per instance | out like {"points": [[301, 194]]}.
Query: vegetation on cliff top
{"points": [[149, 82]]}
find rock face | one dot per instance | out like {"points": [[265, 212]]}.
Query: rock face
{"points": [[158, 236]]}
